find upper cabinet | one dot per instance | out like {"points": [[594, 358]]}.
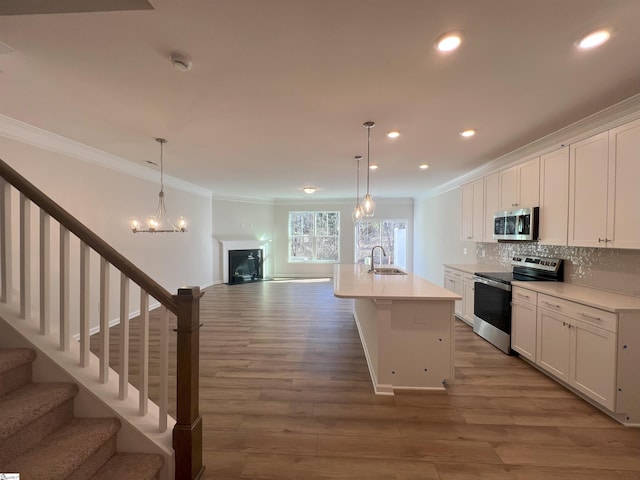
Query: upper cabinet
{"points": [[471, 228], [554, 197], [491, 204], [623, 205], [588, 171], [520, 185], [604, 174]]}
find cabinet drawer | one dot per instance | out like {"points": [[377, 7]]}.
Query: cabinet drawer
{"points": [[468, 277], [584, 313], [519, 294], [453, 273]]}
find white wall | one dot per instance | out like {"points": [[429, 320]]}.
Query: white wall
{"points": [[385, 208], [240, 220], [106, 200], [437, 236]]}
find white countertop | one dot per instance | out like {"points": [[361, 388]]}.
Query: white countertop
{"points": [[477, 267], [608, 301], [354, 281]]}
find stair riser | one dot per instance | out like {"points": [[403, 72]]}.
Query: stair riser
{"points": [[34, 432], [15, 378]]}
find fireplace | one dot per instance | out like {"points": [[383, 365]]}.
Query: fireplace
{"points": [[245, 266]]}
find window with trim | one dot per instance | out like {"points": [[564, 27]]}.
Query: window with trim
{"points": [[314, 237], [391, 234]]}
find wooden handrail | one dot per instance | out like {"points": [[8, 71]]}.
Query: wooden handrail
{"points": [[72, 224]]}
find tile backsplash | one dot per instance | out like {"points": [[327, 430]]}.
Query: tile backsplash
{"points": [[604, 268]]}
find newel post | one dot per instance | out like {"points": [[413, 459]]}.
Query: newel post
{"points": [[187, 433]]}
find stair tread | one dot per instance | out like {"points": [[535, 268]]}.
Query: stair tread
{"points": [[64, 450], [139, 466], [11, 358], [21, 407]]}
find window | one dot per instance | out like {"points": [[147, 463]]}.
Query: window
{"points": [[314, 237], [391, 234]]}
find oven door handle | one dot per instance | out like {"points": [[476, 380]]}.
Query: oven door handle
{"points": [[491, 283]]}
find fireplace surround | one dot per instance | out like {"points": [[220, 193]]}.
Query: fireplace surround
{"points": [[242, 243]]}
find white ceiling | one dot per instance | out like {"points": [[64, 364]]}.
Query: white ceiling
{"points": [[279, 89]]}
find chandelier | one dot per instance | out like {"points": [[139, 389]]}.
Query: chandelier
{"points": [[160, 222]]}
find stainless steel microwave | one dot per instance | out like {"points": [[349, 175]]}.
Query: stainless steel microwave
{"points": [[521, 224]]}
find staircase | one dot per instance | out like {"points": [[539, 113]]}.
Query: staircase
{"points": [[42, 440]]}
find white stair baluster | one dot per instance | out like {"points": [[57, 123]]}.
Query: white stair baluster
{"points": [[164, 369], [144, 352], [5, 241], [45, 272], [84, 304], [65, 333], [104, 320], [25, 257], [124, 337]]}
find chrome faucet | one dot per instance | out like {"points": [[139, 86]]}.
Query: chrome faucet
{"points": [[373, 263]]}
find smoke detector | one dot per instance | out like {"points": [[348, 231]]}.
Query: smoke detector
{"points": [[181, 62]]}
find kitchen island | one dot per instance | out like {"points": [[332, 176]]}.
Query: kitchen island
{"points": [[405, 324]]}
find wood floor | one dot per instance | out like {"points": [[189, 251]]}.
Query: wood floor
{"points": [[286, 394]]}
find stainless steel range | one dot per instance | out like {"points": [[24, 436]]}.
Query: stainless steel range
{"points": [[492, 296]]}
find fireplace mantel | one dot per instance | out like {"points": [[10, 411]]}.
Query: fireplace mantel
{"points": [[246, 243]]}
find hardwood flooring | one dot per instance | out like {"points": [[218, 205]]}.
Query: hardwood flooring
{"points": [[286, 394]]}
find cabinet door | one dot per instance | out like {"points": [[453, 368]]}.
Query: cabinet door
{"points": [[467, 304], [455, 286], [508, 188], [529, 183], [553, 343], [588, 171], [491, 204], [593, 369], [466, 226], [554, 197], [472, 211], [523, 329], [623, 218]]}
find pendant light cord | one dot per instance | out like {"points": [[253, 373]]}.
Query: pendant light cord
{"points": [[368, 151]]}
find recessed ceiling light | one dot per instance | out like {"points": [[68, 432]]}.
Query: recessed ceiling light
{"points": [[309, 190], [373, 167], [424, 166], [393, 134], [468, 133], [594, 39], [449, 42]]}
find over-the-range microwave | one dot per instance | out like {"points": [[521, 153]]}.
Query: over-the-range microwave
{"points": [[520, 224]]}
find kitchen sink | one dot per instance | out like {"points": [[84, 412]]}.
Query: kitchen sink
{"points": [[388, 271]]}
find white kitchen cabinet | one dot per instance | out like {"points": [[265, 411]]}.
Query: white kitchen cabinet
{"points": [[467, 299], [553, 343], [623, 215], [524, 322], [554, 197], [491, 204], [588, 184], [578, 345], [471, 228], [520, 185], [454, 281]]}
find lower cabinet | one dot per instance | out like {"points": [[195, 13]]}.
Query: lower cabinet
{"points": [[576, 351], [461, 283], [467, 300], [453, 280], [524, 323]]}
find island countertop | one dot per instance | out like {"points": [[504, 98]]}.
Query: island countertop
{"points": [[355, 281]]}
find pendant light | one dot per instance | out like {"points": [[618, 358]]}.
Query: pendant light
{"points": [[160, 222], [368, 205], [357, 211]]}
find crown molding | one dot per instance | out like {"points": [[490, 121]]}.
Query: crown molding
{"points": [[242, 199], [37, 137], [611, 117], [342, 201]]}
